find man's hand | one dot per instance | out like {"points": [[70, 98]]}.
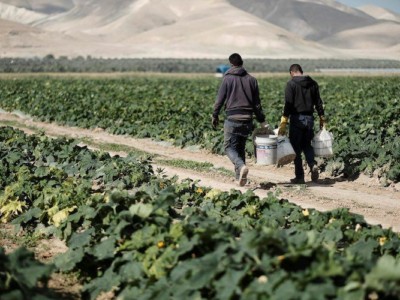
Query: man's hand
{"points": [[266, 128], [214, 122], [282, 126], [264, 125], [322, 122]]}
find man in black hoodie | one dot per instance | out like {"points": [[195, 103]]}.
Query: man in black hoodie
{"points": [[240, 94], [301, 98]]}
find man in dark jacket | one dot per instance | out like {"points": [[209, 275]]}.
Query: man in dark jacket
{"points": [[301, 98], [240, 95]]}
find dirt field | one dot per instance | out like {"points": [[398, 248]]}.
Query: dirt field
{"points": [[364, 196]]}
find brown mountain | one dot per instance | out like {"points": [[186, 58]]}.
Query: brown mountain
{"points": [[379, 36], [20, 40], [313, 19], [380, 13], [43, 6], [190, 29]]}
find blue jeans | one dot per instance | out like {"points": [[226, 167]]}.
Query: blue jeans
{"points": [[301, 132], [235, 137]]}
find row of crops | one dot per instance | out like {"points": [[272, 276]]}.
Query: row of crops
{"points": [[141, 235], [362, 112]]}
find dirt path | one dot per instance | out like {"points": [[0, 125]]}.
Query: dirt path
{"points": [[378, 205]]}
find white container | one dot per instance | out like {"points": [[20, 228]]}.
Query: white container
{"points": [[266, 146], [285, 152], [322, 143]]}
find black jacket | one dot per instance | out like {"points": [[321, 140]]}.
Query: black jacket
{"points": [[302, 96], [240, 94]]}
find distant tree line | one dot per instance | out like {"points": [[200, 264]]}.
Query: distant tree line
{"points": [[50, 63]]}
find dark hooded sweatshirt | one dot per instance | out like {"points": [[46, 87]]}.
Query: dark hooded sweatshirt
{"points": [[302, 96], [239, 92]]}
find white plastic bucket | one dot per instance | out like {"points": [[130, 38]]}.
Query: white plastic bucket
{"points": [[266, 146], [322, 143], [285, 152]]}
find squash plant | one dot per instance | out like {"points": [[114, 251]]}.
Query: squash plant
{"points": [[141, 235], [362, 113]]}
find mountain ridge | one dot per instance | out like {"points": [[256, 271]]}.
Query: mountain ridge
{"points": [[380, 13], [194, 29]]}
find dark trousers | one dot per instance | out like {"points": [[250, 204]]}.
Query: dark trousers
{"points": [[235, 137], [301, 132]]}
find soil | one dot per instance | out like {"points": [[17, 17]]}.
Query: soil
{"points": [[60, 286], [364, 196]]}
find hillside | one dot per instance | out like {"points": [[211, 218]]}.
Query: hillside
{"points": [[20, 40], [379, 36], [189, 29], [18, 14], [112, 21], [43, 6], [380, 13], [313, 20], [218, 37]]}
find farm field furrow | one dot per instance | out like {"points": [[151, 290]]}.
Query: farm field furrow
{"points": [[365, 196]]}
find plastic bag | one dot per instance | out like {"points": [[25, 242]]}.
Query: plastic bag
{"points": [[322, 143]]}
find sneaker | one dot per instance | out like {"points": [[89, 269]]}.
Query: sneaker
{"points": [[314, 173], [243, 175], [297, 180]]}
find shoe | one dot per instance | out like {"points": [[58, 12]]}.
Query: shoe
{"points": [[314, 173], [243, 175], [297, 180]]}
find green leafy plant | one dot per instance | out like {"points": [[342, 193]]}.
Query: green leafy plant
{"points": [[142, 235], [22, 276], [363, 112]]}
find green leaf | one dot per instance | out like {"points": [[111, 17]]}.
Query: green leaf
{"points": [[228, 285], [105, 249], [287, 290], [68, 260], [131, 271], [107, 282], [332, 235], [32, 213], [354, 294], [141, 209], [319, 291], [387, 268], [13, 295], [25, 269], [362, 250], [81, 239]]}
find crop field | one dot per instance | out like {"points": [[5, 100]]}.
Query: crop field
{"points": [[143, 236], [362, 112], [134, 233]]}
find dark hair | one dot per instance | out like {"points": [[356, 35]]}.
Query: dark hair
{"points": [[236, 60], [296, 68]]}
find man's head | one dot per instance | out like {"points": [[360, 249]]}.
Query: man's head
{"points": [[236, 60], [295, 70]]}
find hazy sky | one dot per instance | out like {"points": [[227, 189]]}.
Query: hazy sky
{"points": [[393, 5]]}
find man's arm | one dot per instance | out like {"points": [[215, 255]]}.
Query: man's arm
{"points": [[287, 109], [221, 97], [258, 111], [319, 105], [289, 96]]}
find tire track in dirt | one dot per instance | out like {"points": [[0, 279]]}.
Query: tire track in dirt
{"points": [[364, 196]]}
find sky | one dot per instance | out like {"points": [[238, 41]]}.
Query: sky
{"points": [[393, 5]]}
